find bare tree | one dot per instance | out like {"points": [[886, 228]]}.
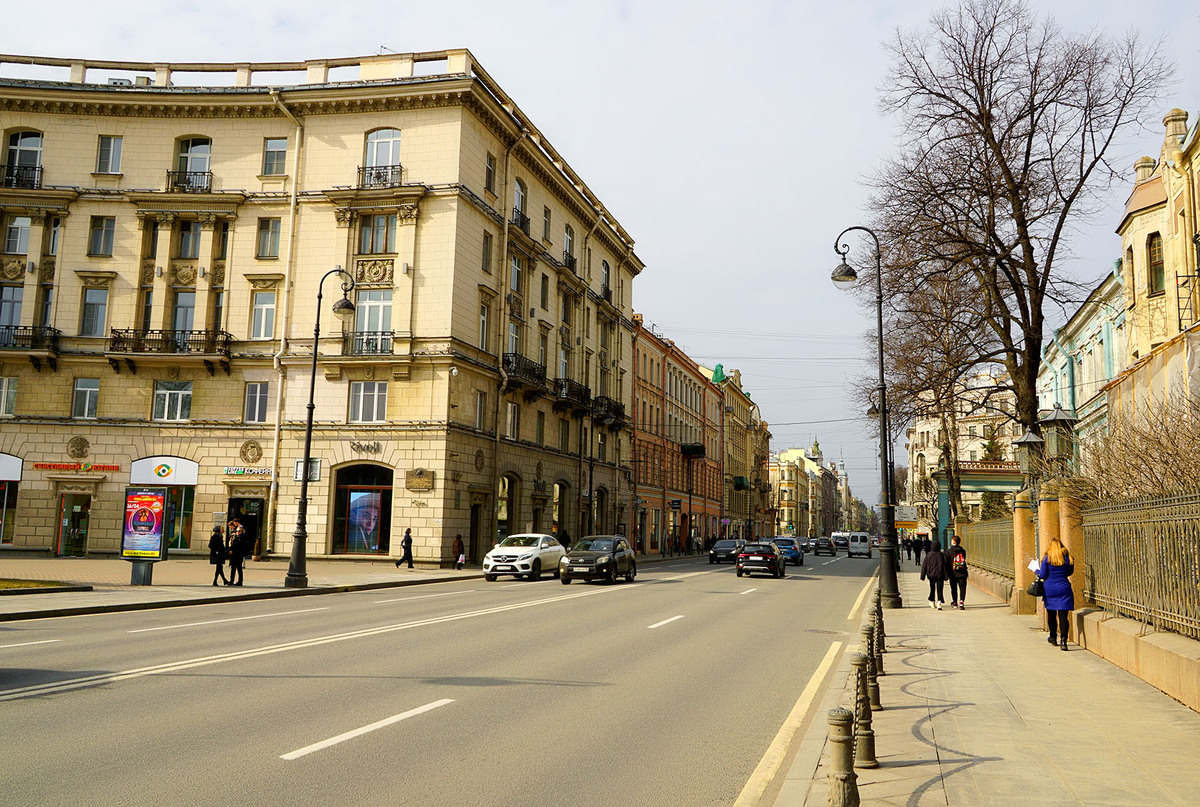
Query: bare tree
{"points": [[1008, 121]]}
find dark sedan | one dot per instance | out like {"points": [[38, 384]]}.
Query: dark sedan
{"points": [[824, 546], [598, 557], [722, 551], [761, 556]]}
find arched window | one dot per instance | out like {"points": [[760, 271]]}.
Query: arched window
{"points": [[23, 162], [605, 276], [1155, 277], [383, 148], [362, 510], [520, 196]]}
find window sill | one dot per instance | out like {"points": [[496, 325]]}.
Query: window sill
{"points": [[266, 257], [272, 177], [107, 174], [99, 255], [1159, 293]]}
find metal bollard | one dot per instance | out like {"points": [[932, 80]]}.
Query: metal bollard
{"points": [[864, 736], [843, 782], [868, 634]]}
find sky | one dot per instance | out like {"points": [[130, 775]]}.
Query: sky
{"points": [[732, 141]]}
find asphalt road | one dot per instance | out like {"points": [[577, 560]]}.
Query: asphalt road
{"points": [[666, 691]]}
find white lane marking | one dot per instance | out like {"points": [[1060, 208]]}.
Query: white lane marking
{"points": [[831, 560], [350, 735], [27, 644], [680, 576], [203, 661], [426, 596], [231, 619], [861, 595], [747, 591], [514, 585], [665, 622], [769, 765]]}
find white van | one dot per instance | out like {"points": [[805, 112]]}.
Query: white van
{"points": [[860, 544]]}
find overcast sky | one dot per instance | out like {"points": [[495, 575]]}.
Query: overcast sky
{"points": [[730, 139]]}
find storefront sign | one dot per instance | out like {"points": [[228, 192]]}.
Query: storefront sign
{"points": [[238, 470], [74, 466], [10, 468], [143, 535], [418, 479], [163, 471], [366, 448]]}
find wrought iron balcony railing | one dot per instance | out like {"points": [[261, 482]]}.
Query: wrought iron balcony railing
{"points": [[368, 343], [21, 176], [521, 220], [524, 370], [29, 337], [189, 181], [379, 176], [608, 410], [206, 343], [571, 394]]}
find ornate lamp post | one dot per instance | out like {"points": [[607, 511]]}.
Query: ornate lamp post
{"points": [[343, 309], [844, 277]]}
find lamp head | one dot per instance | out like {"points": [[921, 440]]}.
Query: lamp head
{"points": [[873, 413], [343, 309], [844, 276]]}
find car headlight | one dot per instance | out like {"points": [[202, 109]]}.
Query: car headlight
{"points": [[527, 556], [603, 560]]}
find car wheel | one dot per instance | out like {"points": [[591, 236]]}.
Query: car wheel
{"points": [[566, 581], [491, 578], [612, 574], [711, 561], [739, 572], [632, 573], [535, 573]]}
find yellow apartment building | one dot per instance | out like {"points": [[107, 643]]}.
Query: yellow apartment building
{"points": [[170, 234]]}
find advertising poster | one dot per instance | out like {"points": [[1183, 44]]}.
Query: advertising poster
{"points": [[365, 508], [142, 538]]}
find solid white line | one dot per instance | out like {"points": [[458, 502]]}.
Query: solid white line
{"points": [[513, 585], [350, 735], [231, 619], [27, 644], [747, 591], [861, 595], [665, 622], [680, 576], [426, 596], [769, 765], [831, 560], [203, 661]]}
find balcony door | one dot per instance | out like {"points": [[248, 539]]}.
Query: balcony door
{"points": [[373, 321], [10, 314], [183, 319]]}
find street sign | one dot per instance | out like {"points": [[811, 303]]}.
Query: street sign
{"points": [[676, 504], [906, 517]]}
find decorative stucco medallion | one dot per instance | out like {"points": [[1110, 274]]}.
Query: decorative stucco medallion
{"points": [[251, 452], [78, 448], [479, 460]]}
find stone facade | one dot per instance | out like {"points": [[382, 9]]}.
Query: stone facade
{"points": [[167, 249]]}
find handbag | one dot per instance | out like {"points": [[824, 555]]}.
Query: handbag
{"points": [[1036, 588]]}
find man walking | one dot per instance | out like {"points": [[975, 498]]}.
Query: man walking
{"points": [[406, 546]]}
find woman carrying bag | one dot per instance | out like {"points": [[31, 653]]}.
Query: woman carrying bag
{"points": [[1055, 571]]}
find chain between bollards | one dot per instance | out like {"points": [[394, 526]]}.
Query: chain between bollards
{"points": [[864, 736], [843, 782], [868, 650], [880, 636]]}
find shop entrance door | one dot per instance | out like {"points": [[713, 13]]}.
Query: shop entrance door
{"points": [[249, 512], [73, 524]]}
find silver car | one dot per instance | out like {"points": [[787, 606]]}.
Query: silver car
{"points": [[525, 555]]}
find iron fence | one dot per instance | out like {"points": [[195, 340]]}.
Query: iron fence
{"points": [[989, 545], [1143, 560]]}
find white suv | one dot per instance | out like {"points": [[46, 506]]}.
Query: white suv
{"points": [[526, 555]]}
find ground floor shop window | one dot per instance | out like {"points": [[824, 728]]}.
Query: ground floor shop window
{"points": [[177, 522], [362, 510], [8, 509]]}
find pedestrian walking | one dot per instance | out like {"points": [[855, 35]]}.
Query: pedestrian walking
{"points": [[956, 573], [908, 548], [235, 535], [934, 570], [216, 554], [917, 549], [459, 550], [1055, 570], [406, 546]]}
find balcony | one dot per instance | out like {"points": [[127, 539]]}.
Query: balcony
{"points": [[169, 347], [609, 412], [189, 181], [570, 262], [38, 342], [379, 176], [367, 343], [526, 375], [22, 176], [521, 220], [571, 395]]}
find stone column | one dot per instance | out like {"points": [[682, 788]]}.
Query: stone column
{"points": [[1024, 548]]}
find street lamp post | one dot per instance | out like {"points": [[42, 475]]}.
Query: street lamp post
{"points": [[343, 309], [844, 277]]}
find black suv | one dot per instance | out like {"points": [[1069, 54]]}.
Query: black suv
{"points": [[824, 545], [761, 556], [598, 557]]}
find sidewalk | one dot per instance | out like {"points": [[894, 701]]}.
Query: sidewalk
{"points": [[979, 711]]}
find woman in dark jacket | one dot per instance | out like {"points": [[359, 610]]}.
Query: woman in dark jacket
{"points": [[237, 552], [934, 570], [956, 572], [216, 554], [1055, 570]]}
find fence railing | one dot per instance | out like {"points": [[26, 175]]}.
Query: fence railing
{"points": [[1143, 560], [989, 545]]}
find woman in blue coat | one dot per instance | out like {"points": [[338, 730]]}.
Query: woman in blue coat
{"points": [[1055, 570]]}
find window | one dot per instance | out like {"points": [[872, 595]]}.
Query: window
{"points": [[368, 401], [45, 305], [520, 197], [513, 421], [268, 238], [256, 402], [514, 336], [108, 155], [545, 292], [95, 312], [489, 173], [53, 232], [564, 434], [183, 313], [146, 316], [568, 242], [262, 315], [221, 240], [16, 235], [604, 277], [378, 234], [480, 410], [487, 253], [546, 223], [383, 148], [373, 321], [24, 161], [172, 400], [564, 361], [218, 308], [484, 313], [1155, 278], [515, 274], [100, 239], [189, 240], [8, 397], [83, 402], [540, 429], [602, 446], [543, 348], [195, 155], [274, 156]]}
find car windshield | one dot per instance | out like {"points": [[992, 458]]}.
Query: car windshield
{"points": [[594, 545], [785, 543], [521, 540], [724, 544], [757, 548]]}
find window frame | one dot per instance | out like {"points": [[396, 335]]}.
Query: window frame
{"points": [[274, 158], [377, 234], [96, 311], [187, 246], [485, 316], [480, 410], [267, 238], [1156, 278], [172, 402], [108, 161], [377, 138], [262, 315], [512, 420], [102, 235], [85, 399], [489, 173], [362, 392], [8, 396], [16, 235], [487, 248], [254, 408]]}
